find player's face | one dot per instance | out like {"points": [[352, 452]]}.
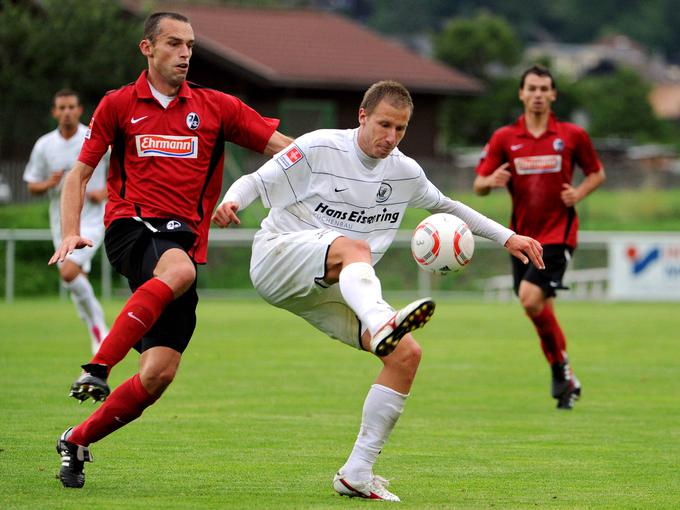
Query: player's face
{"points": [[382, 129], [67, 111], [169, 54], [537, 94]]}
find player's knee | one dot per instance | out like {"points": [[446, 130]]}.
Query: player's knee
{"points": [[157, 380], [186, 274], [179, 277], [406, 357], [531, 303], [362, 248], [68, 271]]}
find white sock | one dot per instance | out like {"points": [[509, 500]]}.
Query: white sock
{"points": [[382, 409], [88, 308], [361, 290]]}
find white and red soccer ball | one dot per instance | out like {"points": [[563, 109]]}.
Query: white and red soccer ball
{"points": [[442, 243]]}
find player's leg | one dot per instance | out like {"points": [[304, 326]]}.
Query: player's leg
{"points": [[348, 262], [159, 270], [82, 294], [382, 408], [536, 292], [161, 350], [125, 404]]}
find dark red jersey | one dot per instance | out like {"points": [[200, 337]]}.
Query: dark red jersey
{"points": [[540, 166], [167, 163]]}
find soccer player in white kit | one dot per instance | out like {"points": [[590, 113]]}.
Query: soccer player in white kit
{"points": [[337, 198], [52, 156]]}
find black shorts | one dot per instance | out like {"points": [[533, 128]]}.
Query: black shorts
{"points": [[134, 250], [556, 258]]}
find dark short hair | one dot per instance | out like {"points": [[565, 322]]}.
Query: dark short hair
{"points": [[393, 92], [538, 70], [152, 23], [65, 93]]}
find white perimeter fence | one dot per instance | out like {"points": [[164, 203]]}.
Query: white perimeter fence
{"points": [[639, 265]]}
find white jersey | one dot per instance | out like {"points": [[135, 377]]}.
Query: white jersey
{"points": [[52, 152], [324, 180]]}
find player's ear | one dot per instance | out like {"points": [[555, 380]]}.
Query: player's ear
{"points": [[145, 47], [362, 116]]}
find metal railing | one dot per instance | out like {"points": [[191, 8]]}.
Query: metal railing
{"points": [[588, 282]]}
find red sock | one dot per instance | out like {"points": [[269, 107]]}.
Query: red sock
{"points": [[553, 343], [138, 315], [126, 403]]}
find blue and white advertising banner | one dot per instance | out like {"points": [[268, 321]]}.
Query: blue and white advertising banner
{"points": [[644, 268]]}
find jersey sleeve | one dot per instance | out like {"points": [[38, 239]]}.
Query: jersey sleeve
{"points": [[435, 201], [585, 154], [37, 169], [98, 179], [280, 182], [100, 133], [492, 156], [244, 126]]}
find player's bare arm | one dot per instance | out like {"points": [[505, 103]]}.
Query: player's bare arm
{"points": [[72, 198], [276, 143], [483, 184], [38, 188], [96, 196], [225, 215], [571, 196], [526, 249]]}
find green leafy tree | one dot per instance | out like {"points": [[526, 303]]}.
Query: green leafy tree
{"points": [[472, 44], [87, 45], [617, 105]]}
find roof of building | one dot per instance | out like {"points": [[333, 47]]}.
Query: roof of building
{"points": [[311, 48]]}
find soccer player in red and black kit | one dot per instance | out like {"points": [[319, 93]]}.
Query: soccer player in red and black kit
{"points": [[167, 137], [534, 158]]}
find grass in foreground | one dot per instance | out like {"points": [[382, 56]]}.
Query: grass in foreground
{"points": [[265, 409]]}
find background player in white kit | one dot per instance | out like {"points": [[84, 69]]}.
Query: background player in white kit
{"points": [[54, 154], [337, 198]]}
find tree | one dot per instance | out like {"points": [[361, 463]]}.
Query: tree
{"points": [[90, 46], [617, 105], [473, 44]]}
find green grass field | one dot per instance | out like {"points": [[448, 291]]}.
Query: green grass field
{"points": [[265, 409]]}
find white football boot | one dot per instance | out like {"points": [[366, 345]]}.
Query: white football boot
{"points": [[375, 488], [412, 316]]}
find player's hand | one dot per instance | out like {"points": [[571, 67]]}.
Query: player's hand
{"points": [[97, 196], [70, 243], [569, 195], [55, 178], [225, 215], [526, 249], [500, 177]]}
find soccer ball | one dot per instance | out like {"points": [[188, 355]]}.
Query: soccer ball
{"points": [[442, 243]]}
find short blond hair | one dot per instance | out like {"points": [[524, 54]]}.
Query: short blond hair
{"points": [[393, 92]]}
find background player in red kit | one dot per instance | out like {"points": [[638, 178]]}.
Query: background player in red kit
{"points": [[167, 137], [534, 159]]}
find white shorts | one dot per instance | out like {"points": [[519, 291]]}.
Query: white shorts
{"points": [[287, 271], [91, 229]]}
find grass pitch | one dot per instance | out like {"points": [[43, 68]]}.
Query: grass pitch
{"points": [[265, 409]]}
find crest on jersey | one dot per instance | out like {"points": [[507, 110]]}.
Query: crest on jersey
{"points": [[193, 121], [558, 144], [290, 157], [384, 192]]}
